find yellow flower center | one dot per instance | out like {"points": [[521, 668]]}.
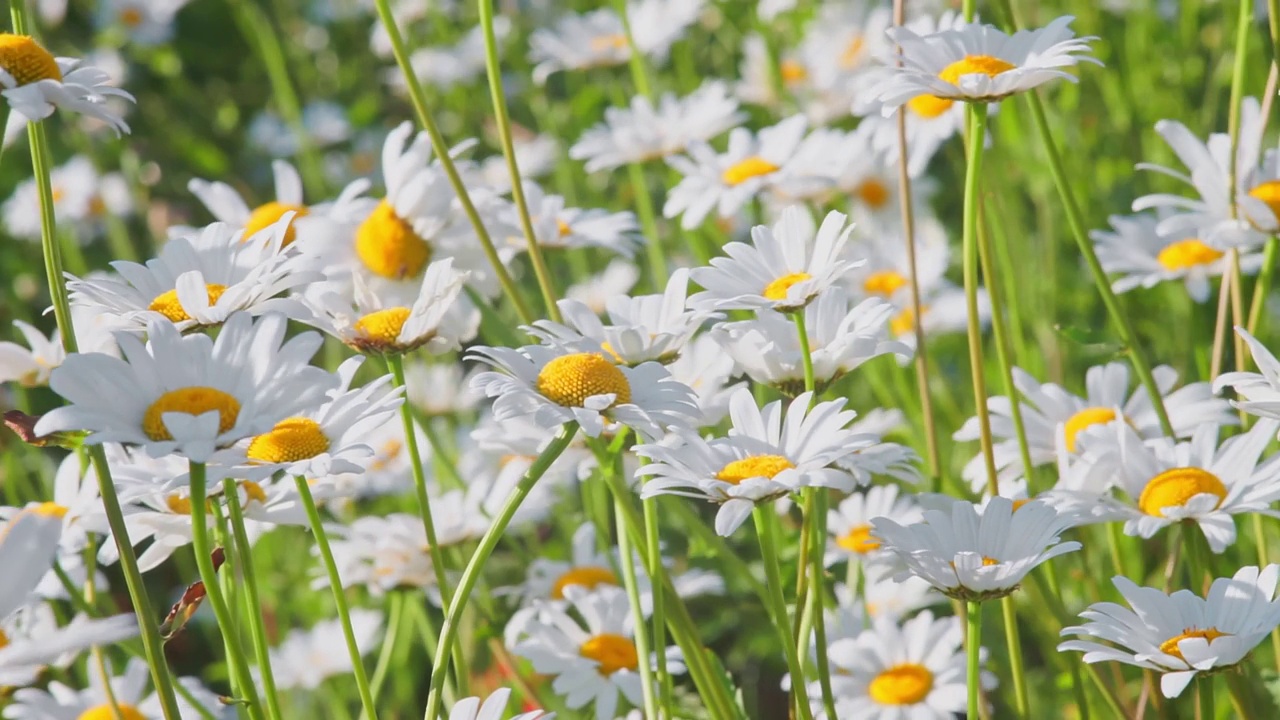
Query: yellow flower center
{"points": [[613, 652], [777, 290], [989, 561], [905, 684], [1170, 646], [1173, 488], [1084, 419], [562, 228], [264, 216], [179, 504], [24, 59], [131, 17], [1269, 193], [873, 193], [253, 492], [904, 322], [929, 106], [852, 52], [765, 466], [858, 540], [106, 712], [974, 65], [793, 72], [744, 170], [4, 639], [1019, 503], [589, 576], [570, 379], [50, 510], [884, 282], [1185, 254], [196, 400], [601, 43], [292, 439], [167, 303], [389, 247], [383, 327], [388, 452]]}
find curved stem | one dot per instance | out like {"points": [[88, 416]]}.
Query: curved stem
{"points": [[471, 574], [767, 535], [257, 630], [973, 647], [339, 596], [977, 124]]}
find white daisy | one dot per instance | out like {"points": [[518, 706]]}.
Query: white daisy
{"points": [[557, 226], [595, 292], [887, 270], [971, 555], [1181, 635], [147, 22], [555, 387], [83, 199], [768, 454], [784, 268], [838, 48], [849, 524], [36, 83], [942, 312], [707, 370], [494, 708], [128, 697], [1259, 393], [725, 182], [391, 551], [306, 658], [597, 38], [389, 471], [190, 394], [445, 66]]}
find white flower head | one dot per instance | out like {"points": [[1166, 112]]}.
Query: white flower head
{"points": [[849, 524], [558, 226], [1145, 257], [35, 83], [305, 658], [1259, 393], [494, 708]]}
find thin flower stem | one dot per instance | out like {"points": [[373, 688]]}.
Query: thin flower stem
{"points": [[439, 449], [1204, 692], [1220, 322], [419, 99], [977, 122], [657, 574], [236, 660], [766, 533], [494, 72], [973, 648], [471, 574], [635, 59], [645, 653], [257, 629], [1021, 698], [391, 639], [1263, 286], [339, 595]]}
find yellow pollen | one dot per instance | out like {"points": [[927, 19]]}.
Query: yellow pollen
{"points": [[974, 65], [744, 170], [601, 43], [777, 290], [1170, 646], [1173, 488], [97, 206], [167, 303], [4, 639], [1084, 419], [613, 652], [389, 247], [107, 712], [1019, 503], [588, 576], [905, 684], [1269, 193], [905, 322], [253, 492], [884, 283], [852, 52], [192, 401], [58, 194], [873, 193], [793, 72], [388, 452], [989, 561], [859, 540], [50, 509], [563, 228], [178, 504], [765, 466], [24, 59], [570, 379], [383, 326], [292, 439], [929, 106], [1185, 254], [264, 216]]}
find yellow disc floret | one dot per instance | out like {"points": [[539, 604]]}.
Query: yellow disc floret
{"points": [[765, 466], [777, 290], [389, 247], [196, 400], [167, 304], [974, 65], [744, 170], [613, 652], [1170, 646], [381, 328], [107, 712], [859, 540], [1173, 488], [1269, 193], [905, 684], [24, 59], [570, 379], [291, 440], [873, 193], [793, 72], [929, 106], [49, 509], [264, 216], [884, 283], [1185, 254], [1087, 417], [588, 576]]}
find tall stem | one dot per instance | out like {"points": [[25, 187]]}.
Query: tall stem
{"points": [[390, 641], [767, 535], [657, 575], [977, 122], [973, 647], [339, 596], [1204, 691], [628, 563], [257, 629], [1021, 698]]}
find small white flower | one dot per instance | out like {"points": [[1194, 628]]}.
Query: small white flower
{"points": [[849, 524], [389, 552], [1260, 392], [1146, 257], [306, 658], [494, 708], [128, 696], [35, 83], [442, 388], [557, 226], [147, 22], [707, 370], [597, 38]]}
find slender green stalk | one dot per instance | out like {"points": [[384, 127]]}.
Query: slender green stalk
{"points": [[419, 99], [494, 72], [635, 60], [49, 245], [391, 639], [1021, 698], [236, 660], [628, 564], [257, 629], [439, 450], [766, 533], [339, 596], [1204, 691], [973, 647], [471, 574], [977, 123], [657, 574], [1263, 286]]}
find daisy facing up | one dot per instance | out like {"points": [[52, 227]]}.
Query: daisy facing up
{"points": [[1181, 635], [35, 83]]}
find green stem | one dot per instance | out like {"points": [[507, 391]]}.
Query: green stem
{"points": [[1204, 691], [419, 100], [339, 595], [1263, 286], [257, 629], [657, 575], [628, 563], [766, 533], [635, 59], [977, 122], [1022, 699], [471, 574], [395, 615], [973, 647], [654, 253], [236, 660], [440, 451]]}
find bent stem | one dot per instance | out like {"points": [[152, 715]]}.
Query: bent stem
{"points": [[767, 535], [471, 574], [257, 630], [973, 648], [977, 122], [339, 597]]}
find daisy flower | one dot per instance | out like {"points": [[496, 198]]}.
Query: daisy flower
{"points": [[201, 279], [1260, 392], [726, 182], [784, 268], [190, 395], [35, 83], [536, 155], [147, 22], [369, 323], [1181, 635], [306, 658], [445, 66], [642, 132], [977, 63], [768, 454], [128, 696], [595, 292], [83, 198], [886, 272], [707, 370], [389, 552], [838, 48], [842, 336], [388, 471], [556, 387], [597, 38], [494, 708], [557, 226], [972, 555], [849, 524]]}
